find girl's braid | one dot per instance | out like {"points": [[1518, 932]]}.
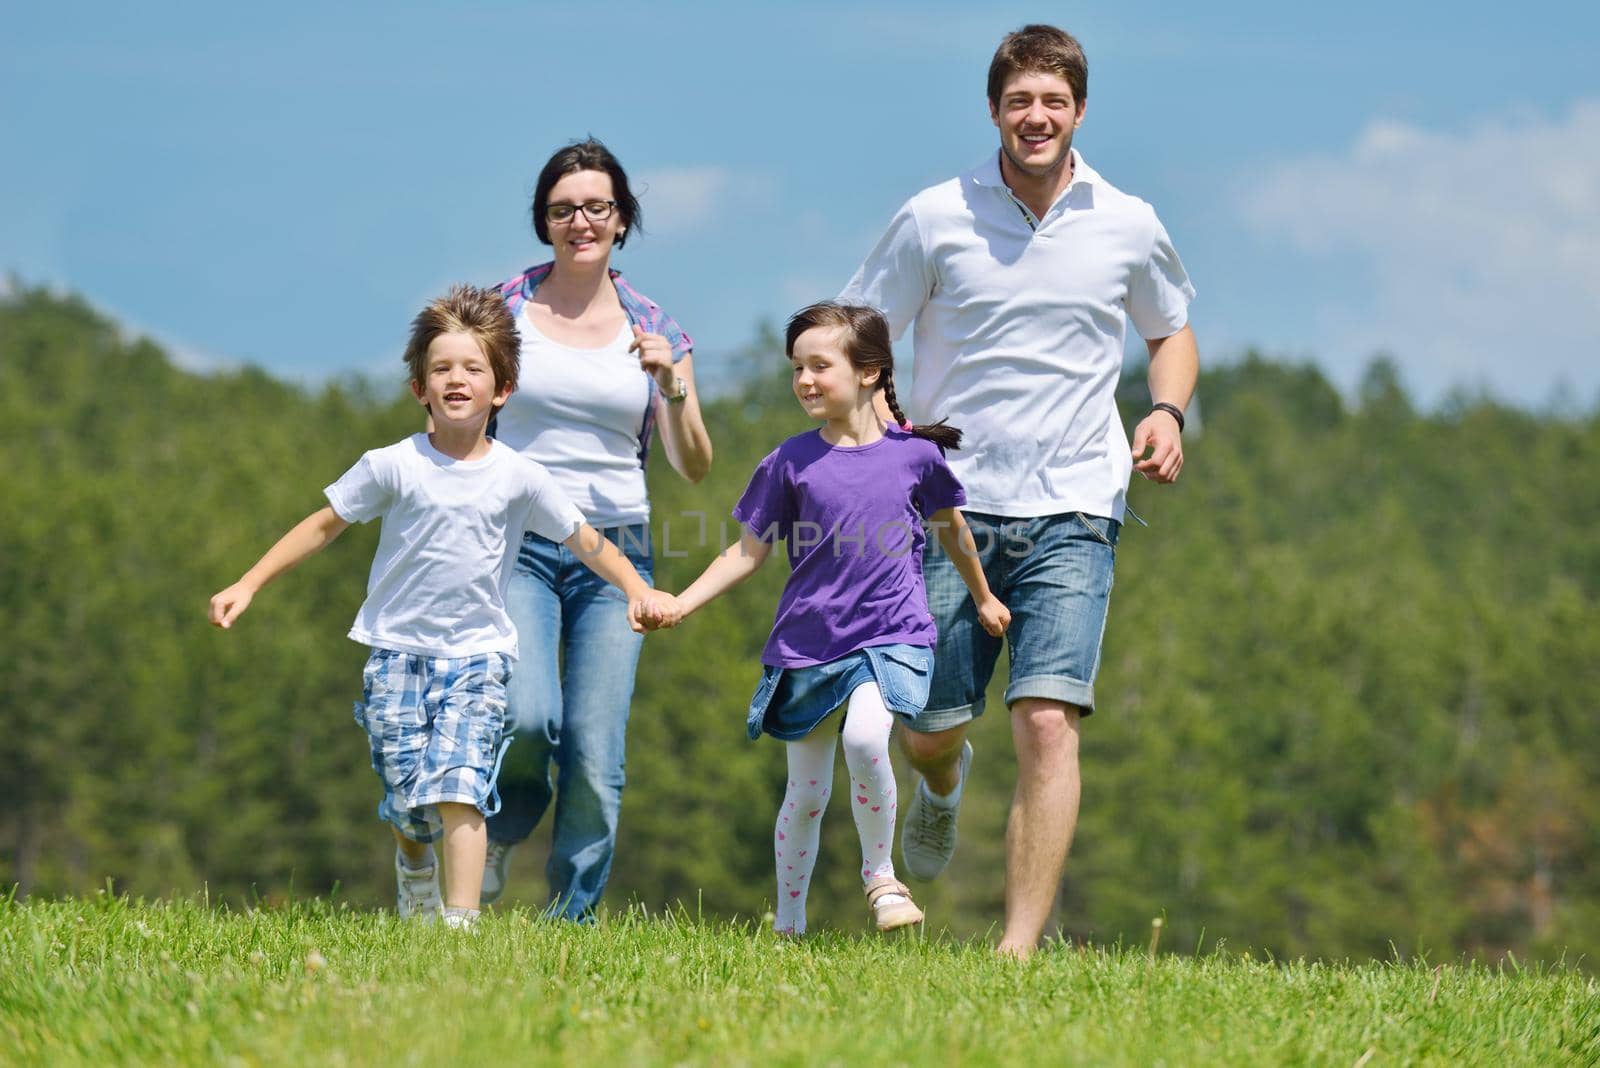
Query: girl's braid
{"points": [[940, 433], [888, 395]]}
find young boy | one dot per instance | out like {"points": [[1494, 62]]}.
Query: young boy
{"points": [[454, 504]]}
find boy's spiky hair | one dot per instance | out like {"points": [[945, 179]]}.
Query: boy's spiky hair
{"points": [[481, 313]]}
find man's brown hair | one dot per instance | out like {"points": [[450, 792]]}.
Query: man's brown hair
{"points": [[481, 313], [1039, 49]]}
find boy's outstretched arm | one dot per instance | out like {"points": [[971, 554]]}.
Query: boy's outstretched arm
{"points": [[606, 560], [956, 537], [735, 564], [306, 537]]}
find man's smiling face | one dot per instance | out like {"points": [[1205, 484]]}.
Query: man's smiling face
{"points": [[1036, 116]]}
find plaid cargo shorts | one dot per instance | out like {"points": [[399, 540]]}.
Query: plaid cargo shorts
{"points": [[437, 728]]}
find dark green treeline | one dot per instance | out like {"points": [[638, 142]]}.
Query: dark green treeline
{"points": [[1348, 703]]}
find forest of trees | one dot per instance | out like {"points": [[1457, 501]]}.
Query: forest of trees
{"points": [[1348, 701]]}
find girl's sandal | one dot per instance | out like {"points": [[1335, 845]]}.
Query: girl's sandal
{"points": [[889, 916]]}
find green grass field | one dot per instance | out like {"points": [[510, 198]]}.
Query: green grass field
{"points": [[103, 981]]}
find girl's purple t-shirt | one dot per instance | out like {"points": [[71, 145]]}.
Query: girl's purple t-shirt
{"points": [[852, 520]]}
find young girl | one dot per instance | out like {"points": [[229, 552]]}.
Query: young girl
{"points": [[853, 626]]}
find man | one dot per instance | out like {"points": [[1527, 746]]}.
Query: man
{"points": [[1021, 277]]}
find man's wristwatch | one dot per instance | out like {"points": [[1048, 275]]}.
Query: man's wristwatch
{"points": [[678, 393]]}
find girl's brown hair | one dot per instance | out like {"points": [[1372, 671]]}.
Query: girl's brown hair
{"points": [[866, 346]]}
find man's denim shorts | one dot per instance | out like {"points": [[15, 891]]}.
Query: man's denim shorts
{"points": [[437, 727], [790, 702], [1054, 574]]}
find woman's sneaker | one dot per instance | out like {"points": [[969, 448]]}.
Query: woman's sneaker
{"points": [[417, 896], [929, 838], [497, 861]]}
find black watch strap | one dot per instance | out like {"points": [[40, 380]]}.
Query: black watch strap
{"points": [[1172, 410]]}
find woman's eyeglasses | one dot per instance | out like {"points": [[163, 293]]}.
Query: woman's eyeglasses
{"points": [[596, 210]]}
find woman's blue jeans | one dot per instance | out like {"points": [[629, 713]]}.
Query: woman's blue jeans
{"points": [[568, 704]]}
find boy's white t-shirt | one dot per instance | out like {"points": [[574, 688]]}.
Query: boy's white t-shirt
{"points": [[451, 529]]}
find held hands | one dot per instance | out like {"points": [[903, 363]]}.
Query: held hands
{"points": [[993, 616], [659, 611], [230, 604], [655, 356], [1158, 433]]}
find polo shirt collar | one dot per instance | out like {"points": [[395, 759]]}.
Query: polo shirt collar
{"points": [[988, 173]]}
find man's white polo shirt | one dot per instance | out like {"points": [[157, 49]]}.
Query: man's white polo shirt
{"points": [[1020, 324]]}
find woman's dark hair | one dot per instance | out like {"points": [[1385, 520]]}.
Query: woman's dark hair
{"points": [[588, 155], [866, 346]]}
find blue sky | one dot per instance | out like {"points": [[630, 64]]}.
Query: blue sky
{"points": [[285, 185]]}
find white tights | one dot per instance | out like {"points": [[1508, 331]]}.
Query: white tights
{"points": [[866, 754]]}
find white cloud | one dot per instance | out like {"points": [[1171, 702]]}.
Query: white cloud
{"points": [[184, 355], [1479, 250], [675, 200], [801, 290]]}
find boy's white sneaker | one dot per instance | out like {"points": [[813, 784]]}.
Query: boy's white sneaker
{"points": [[417, 896], [929, 838], [497, 862]]}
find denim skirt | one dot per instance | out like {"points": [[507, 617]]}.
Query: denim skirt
{"points": [[791, 701]]}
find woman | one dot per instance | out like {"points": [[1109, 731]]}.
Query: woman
{"points": [[602, 368]]}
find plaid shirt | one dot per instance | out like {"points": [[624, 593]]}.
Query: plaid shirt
{"points": [[642, 312]]}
